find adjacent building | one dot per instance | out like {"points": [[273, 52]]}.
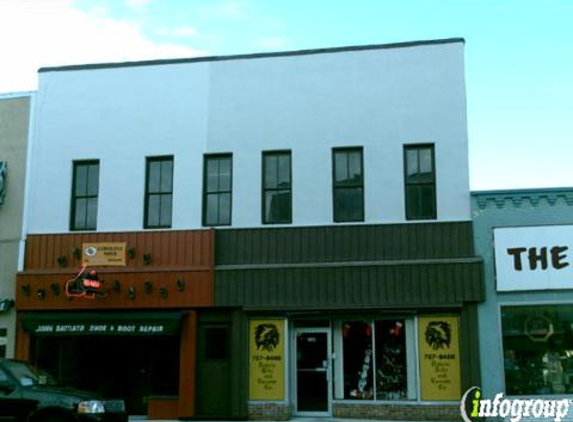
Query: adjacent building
{"points": [[526, 321], [14, 129], [256, 236]]}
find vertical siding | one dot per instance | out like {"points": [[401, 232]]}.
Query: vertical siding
{"points": [[190, 248], [355, 286], [344, 243]]}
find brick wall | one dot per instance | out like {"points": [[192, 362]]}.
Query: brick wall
{"points": [[278, 411], [397, 412]]}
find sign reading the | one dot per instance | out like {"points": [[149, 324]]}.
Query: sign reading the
{"points": [[439, 358], [266, 359], [533, 258], [103, 254]]}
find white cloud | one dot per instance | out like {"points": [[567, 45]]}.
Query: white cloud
{"points": [[38, 33]]}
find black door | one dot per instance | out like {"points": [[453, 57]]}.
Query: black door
{"points": [[312, 371], [214, 369]]}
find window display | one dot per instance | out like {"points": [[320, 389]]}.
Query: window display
{"points": [[375, 361], [391, 377], [538, 349], [358, 366]]}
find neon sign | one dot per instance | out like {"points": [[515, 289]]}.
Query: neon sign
{"points": [[86, 284]]}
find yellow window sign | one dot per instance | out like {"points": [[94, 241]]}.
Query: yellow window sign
{"points": [[266, 359], [439, 358], [103, 254]]}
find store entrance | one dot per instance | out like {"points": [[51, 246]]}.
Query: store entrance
{"points": [[313, 380], [131, 368]]}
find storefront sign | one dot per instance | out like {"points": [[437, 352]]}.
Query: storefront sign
{"points": [[534, 258], [439, 358], [103, 254], [105, 324], [266, 359]]}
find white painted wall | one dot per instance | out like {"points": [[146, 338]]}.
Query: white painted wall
{"points": [[14, 125], [379, 99]]}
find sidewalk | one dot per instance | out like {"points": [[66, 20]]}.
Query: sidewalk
{"points": [[301, 419]]}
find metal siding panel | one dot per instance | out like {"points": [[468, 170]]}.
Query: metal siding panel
{"points": [[347, 287]]}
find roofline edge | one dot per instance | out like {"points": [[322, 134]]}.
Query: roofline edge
{"points": [[303, 52]]}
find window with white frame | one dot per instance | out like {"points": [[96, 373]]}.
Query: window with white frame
{"points": [[378, 359]]}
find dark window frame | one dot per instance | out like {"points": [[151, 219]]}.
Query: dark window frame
{"points": [[338, 186], [206, 158], [160, 193], [265, 189], [434, 214], [74, 197]]}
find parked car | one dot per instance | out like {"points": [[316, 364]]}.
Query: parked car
{"points": [[27, 395]]}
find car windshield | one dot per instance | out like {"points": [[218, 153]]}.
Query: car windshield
{"points": [[26, 375]]}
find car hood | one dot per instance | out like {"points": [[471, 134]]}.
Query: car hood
{"points": [[61, 396]]}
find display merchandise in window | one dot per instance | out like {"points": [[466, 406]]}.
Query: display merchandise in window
{"points": [[391, 375], [358, 365], [538, 349], [375, 360]]}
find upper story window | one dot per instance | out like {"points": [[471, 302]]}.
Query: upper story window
{"points": [[158, 192], [348, 184], [420, 179], [277, 195], [217, 189], [85, 187]]}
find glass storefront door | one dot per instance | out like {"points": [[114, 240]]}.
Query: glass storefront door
{"points": [[313, 383]]}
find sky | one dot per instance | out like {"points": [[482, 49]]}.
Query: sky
{"points": [[518, 57]]}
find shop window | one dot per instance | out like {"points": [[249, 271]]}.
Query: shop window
{"points": [[348, 184], [217, 190], [158, 192], [420, 180], [277, 196], [216, 343], [538, 349], [391, 360], [377, 363], [358, 362], [85, 187]]}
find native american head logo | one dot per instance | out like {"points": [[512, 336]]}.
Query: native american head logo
{"points": [[267, 337], [438, 334]]}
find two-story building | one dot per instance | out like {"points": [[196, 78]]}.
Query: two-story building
{"points": [[277, 234], [14, 129]]}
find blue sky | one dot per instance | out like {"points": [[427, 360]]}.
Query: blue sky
{"points": [[519, 56]]}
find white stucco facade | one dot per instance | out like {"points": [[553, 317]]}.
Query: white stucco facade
{"points": [[378, 98], [14, 130]]}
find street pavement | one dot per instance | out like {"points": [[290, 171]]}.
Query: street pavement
{"points": [[316, 419]]}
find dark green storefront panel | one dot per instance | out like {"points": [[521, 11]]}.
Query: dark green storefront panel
{"points": [[348, 287], [101, 323], [451, 240], [222, 365]]}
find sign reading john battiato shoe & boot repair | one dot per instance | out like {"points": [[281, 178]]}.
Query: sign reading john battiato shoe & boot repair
{"points": [[439, 358], [266, 359]]}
